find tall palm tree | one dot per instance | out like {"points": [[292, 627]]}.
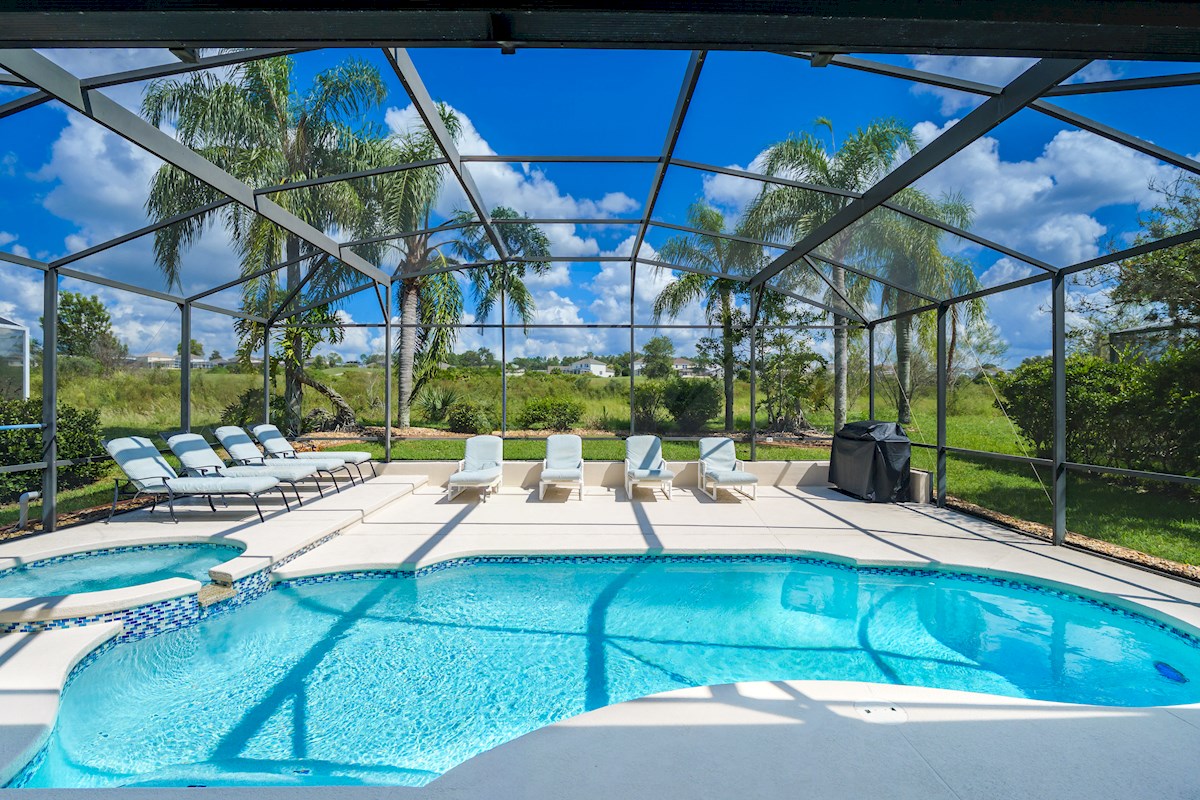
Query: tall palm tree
{"points": [[909, 253], [718, 294], [426, 302], [254, 124], [503, 279], [792, 213]]}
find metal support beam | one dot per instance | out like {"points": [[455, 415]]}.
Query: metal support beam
{"points": [[387, 376], [690, 76], [1058, 450], [298, 288], [68, 89], [129, 237], [888, 204], [753, 391], [266, 374], [942, 314], [1126, 84], [406, 71], [50, 400], [1023, 89], [256, 274], [185, 367], [858, 317], [503, 367], [871, 371], [632, 343]]}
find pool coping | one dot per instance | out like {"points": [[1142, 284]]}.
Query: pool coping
{"points": [[262, 544], [1184, 614]]}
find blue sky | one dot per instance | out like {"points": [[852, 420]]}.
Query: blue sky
{"points": [[1056, 193]]}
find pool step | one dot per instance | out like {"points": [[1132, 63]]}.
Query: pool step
{"points": [[213, 593]]}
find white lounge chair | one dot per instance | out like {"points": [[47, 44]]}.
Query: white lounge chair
{"points": [[147, 472], [199, 460], [482, 468], [244, 452], [720, 468], [563, 465], [277, 446], [644, 463]]}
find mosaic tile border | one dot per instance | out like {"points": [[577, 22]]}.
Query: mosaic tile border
{"points": [[1030, 585], [132, 548], [152, 619]]}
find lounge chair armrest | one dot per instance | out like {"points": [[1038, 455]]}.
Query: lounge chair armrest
{"points": [[462, 464], [738, 464]]}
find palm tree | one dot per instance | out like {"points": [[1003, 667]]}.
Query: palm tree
{"points": [[503, 279], [792, 213], [427, 302], [713, 255], [255, 125], [909, 253]]}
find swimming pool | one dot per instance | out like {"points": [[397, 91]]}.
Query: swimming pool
{"points": [[394, 680], [114, 568]]}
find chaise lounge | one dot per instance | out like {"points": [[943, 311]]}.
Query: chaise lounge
{"points": [[277, 446], [147, 472], [199, 460], [563, 465], [720, 468], [644, 463], [482, 468], [242, 450]]}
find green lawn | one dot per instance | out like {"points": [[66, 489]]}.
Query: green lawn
{"points": [[1158, 519]]}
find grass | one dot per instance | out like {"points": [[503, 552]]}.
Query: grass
{"points": [[1158, 519]]}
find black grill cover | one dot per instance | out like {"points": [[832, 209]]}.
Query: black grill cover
{"points": [[871, 460]]}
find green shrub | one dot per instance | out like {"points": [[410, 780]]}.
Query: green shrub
{"points": [[1125, 413], [434, 402], [555, 413], [78, 437], [691, 402], [647, 405], [467, 416]]}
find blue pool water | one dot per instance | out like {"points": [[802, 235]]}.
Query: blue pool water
{"points": [[394, 680], [112, 569]]}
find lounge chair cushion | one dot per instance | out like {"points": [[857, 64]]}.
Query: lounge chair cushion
{"points": [[237, 443], [730, 477], [663, 474], [194, 453], [140, 460], [563, 473], [327, 464], [718, 453], [644, 453], [216, 485], [274, 468], [345, 456], [475, 477], [483, 452]]}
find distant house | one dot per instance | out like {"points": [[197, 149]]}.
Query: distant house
{"points": [[590, 366], [638, 366], [155, 360], [685, 367]]}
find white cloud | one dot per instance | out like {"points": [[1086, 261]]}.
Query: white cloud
{"points": [[1044, 205], [519, 186], [990, 70]]}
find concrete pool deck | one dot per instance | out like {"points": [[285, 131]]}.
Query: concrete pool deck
{"points": [[779, 739]]}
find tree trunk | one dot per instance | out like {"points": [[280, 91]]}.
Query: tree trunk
{"points": [[344, 417], [293, 370], [727, 356], [841, 353], [953, 342], [408, 348], [904, 369]]}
